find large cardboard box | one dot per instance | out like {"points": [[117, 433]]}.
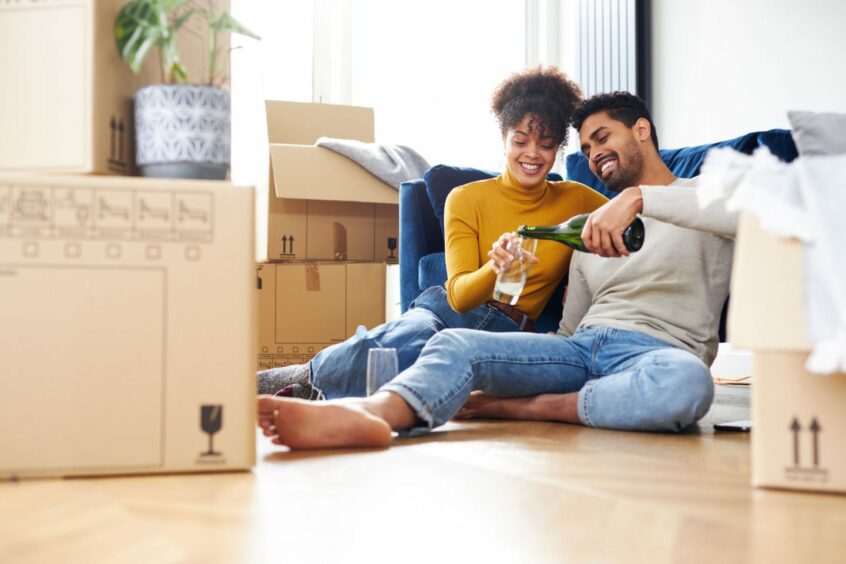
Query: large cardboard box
{"points": [[320, 205], [306, 307], [799, 423], [66, 100], [127, 326]]}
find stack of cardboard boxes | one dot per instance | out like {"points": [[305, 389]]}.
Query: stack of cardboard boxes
{"points": [[127, 305], [799, 419], [331, 228]]}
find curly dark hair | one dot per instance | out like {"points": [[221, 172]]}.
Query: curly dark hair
{"points": [[545, 93], [621, 106]]}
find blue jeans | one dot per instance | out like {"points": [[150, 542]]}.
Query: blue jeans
{"points": [[625, 380], [340, 371]]}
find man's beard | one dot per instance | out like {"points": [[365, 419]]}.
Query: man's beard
{"points": [[628, 174]]}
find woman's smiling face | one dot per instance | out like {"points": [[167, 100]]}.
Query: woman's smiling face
{"points": [[529, 151]]}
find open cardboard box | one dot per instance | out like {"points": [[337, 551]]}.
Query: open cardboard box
{"points": [[127, 326], [799, 421], [305, 307], [67, 95], [320, 205]]}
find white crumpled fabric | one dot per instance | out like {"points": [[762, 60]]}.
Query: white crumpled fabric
{"points": [[805, 199]]}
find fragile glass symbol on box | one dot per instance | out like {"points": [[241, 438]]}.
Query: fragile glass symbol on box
{"points": [[211, 421]]}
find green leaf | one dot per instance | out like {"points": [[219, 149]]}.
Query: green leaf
{"points": [[180, 73], [183, 18], [227, 24]]}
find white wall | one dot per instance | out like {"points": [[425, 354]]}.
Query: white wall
{"points": [[722, 68]]}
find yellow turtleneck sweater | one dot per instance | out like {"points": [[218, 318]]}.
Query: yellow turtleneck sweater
{"points": [[478, 213]]}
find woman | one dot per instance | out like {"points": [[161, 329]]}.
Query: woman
{"points": [[534, 109]]}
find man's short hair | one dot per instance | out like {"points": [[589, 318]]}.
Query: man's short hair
{"points": [[621, 106]]}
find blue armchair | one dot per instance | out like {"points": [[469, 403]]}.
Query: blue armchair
{"points": [[421, 240]]}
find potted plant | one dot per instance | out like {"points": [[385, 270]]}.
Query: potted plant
{"points": [[181, 129]]}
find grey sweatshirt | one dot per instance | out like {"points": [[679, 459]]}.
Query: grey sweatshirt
{"points": [[674, 287]]}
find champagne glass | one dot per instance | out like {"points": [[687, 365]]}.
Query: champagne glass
{"points": [[511, 280]]}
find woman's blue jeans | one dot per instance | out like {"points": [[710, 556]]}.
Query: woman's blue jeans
{"points": [[340, 371], [625, 380]]}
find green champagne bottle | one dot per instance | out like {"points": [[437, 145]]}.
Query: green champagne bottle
{"points": [[570, 233]]}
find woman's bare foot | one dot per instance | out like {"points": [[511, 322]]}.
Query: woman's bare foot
{"points": [[301, 424]]}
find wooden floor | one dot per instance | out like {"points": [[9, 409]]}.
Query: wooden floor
{"points": [[475, 492]]}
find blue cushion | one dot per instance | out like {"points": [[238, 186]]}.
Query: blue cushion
{"points": [[441, 179], [686, 162], [432, 271]]}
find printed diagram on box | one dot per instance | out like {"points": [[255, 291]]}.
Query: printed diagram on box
{"points": [[111, 210], [805, 450], [148, 212], [71, 211], [188, 214], [103, 213], [31, 206]]}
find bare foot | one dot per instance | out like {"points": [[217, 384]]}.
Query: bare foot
{"points": [[484, 406], [301, 424]]}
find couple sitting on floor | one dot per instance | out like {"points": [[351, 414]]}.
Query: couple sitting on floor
{"points": [[637, 334]]}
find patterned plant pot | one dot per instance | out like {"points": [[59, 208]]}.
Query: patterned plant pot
{"points": [[182, 131]]}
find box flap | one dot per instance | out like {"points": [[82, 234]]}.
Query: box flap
{"points": [[767, 310], [307, 172], [301, 124]]}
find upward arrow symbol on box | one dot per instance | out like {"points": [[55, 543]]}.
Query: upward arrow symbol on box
{"points": [[815, 429], [796, 428]]}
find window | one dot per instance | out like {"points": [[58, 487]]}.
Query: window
{"points": [[429, 68]]}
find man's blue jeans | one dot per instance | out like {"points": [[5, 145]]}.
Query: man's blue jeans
{"points": [[340, 371], [625, 380]]}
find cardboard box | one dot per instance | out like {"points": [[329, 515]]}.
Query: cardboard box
{"points": [[127, 326], [320, 205], [66, 102], [798, 425], [767, 310], [305, 307], [798, 417]]}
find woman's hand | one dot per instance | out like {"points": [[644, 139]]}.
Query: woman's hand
{"points": [[603, 232], [504, 251]]}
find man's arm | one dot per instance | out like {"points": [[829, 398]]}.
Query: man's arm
{"points": [[679, 205], [603, 232]]}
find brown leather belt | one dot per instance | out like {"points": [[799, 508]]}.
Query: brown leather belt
{"points": [[521, 319]]}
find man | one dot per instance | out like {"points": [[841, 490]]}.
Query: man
{"points": [[636, 337]]}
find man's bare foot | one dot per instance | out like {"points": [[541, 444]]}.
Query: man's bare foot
{"points": [[544, 407], [301, 424], [484, 406]]}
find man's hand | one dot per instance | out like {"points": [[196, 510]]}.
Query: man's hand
{"points": [[603, 231], [504, 250]]}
